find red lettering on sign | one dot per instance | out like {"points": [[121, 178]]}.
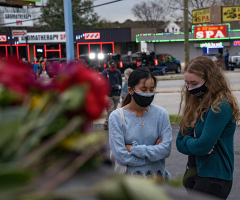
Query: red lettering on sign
{"points": [[199, 19], [62, 36], [202, 32], [18, 22], [236, 43]]}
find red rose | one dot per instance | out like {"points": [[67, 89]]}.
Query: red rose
{"points": [[16, 75], [78, 74]]}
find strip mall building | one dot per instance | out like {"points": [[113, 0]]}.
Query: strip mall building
{"points": [[203, 39], [53, 44]]}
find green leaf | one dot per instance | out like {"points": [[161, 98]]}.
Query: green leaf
{"points": [[130, 188], [112, 190], [74, 97], [11, 178], [142, 189], [82, 142], [12, 113]]}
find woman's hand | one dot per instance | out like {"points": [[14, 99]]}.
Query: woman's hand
{"points": [[128, 146], [159, 140], [210, 152], [212, 149]]}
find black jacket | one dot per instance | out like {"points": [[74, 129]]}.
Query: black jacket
{"points": [[115, 80]]}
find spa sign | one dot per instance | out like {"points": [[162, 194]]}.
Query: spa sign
{"points": [[201, 16], [231, 14], [206, 32]]}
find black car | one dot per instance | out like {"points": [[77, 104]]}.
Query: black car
{"points": [[148, 59]]}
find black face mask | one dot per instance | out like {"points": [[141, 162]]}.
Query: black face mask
{"points": [[143, 99], [198, 91]]}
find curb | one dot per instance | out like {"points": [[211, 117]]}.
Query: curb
{"points": [[163, 78]]}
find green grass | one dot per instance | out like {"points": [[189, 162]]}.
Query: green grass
{"points": [[175, 119]]}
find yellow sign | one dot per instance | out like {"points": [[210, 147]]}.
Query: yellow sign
{"points": [[231, 13], [201, 16]]}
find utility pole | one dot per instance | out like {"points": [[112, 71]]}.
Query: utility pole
{"points": [[69, 29], [186, 32], [11, 47]]}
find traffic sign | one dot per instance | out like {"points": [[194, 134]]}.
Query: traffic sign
{"points": [[19, 33]]}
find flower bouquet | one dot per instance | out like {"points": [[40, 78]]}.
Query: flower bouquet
{"points": [[45, 127]]}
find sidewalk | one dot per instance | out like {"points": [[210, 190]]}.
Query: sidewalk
{"points": [[179, 90]]}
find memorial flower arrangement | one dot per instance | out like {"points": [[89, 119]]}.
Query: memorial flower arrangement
{"points": [[45, 126]]}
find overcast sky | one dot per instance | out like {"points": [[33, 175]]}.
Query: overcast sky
{"points": [[119, 11]]}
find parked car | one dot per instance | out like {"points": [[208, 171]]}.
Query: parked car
{"points": [[100, 61], [148, 59], [234, 61], [169, 62], [128, 62], [54, 65]]}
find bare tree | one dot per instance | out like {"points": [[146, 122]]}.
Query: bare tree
{"points": [[193, 5], [230, 2], [150, 12]]}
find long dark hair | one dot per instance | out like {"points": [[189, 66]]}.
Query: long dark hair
{"points": [[134, 78]]}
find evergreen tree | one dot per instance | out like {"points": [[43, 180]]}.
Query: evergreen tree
{"points": [[82, 13]]}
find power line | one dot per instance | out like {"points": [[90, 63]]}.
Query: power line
{"points": [[82, 9]]}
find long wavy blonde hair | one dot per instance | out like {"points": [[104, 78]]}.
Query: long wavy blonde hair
{"points": [[218, 89]]}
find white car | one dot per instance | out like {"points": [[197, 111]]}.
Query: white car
{"points": [[234, 61]]}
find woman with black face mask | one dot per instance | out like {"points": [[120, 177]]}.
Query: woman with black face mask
{"points": [[140, 133], [207, 128]]}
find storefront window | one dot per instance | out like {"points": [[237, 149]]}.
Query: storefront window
{"points": [[3, 51], [95, 48], [22, 52], [83, 49], [52, 51], [107, 48], [39, 52], [14, 49], [63, 51]]}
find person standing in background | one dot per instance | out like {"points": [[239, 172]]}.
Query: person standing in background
{"points": [[35, 69], [115, 80], [124, 91], [40, 70], [226, 57]]}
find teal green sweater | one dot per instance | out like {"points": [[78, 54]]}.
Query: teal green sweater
{"points": [[216, 131]]}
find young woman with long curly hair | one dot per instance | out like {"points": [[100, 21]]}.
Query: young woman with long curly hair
{"points": [[210, 112]]}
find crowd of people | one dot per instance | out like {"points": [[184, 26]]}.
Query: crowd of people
{"points": [[140, 133]]}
